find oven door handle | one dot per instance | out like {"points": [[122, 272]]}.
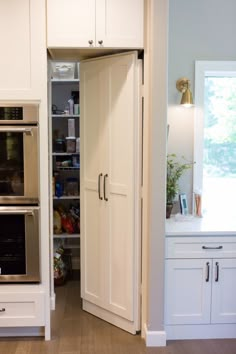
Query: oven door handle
{"points": [[17, 212], [27, 131]]}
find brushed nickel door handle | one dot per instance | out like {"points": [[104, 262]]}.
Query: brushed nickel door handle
{"points": [[104, 187], [217, 272], [212, 247], [207, 271]]}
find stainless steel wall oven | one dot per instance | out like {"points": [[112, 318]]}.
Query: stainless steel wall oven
{"points": [[19, 244], [19, 193], [19, 155]]}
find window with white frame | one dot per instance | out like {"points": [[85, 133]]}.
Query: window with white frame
{"points": [[215, 137]]}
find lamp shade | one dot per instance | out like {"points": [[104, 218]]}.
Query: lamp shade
{"points": [[187, 98]]}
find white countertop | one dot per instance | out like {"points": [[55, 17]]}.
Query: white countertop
{"points": [[192, 226]]}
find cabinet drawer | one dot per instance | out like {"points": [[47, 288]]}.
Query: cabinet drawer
{"points": [[22, 309], [200, 247]]}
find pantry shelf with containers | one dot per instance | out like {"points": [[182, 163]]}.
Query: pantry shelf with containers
{"points": [[64, 161]]}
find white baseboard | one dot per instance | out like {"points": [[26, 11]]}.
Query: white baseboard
{"points": [[21, 331], [200, 331], [154, 338]]}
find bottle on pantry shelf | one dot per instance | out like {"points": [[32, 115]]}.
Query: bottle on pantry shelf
{"points": [[58, 189], [53, 185], [71, 106], [76, 109]]}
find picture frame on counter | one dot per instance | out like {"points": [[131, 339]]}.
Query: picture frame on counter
{"points": [[183, 204]]}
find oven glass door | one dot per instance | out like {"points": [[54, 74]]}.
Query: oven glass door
{"points": [[18, 165], [19, 244]]}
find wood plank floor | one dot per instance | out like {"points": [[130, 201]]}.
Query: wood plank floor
{"points": [[77, 332]]}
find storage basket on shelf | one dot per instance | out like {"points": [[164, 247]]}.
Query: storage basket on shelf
{"points": [[63, 71]]}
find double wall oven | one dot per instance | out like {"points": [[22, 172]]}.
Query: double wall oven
{"points": [[19, 193]]}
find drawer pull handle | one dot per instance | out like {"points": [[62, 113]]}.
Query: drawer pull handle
{"points": [[2, 309], [207, 271], [212, 248], [217, 272]]}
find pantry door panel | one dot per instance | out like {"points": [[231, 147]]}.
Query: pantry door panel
{"points": [[116, 102], [122, 115], [92, 228]]}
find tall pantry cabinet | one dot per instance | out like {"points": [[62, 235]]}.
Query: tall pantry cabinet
{"points": [[109, 173], [110, 148]]}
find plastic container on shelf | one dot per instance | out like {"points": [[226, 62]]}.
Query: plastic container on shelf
{"points": [[77, 146], [63, 70], [70, 144], [72, 186], [59, 145]]}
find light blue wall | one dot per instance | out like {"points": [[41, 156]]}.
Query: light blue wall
{"points": [[198, 30]]}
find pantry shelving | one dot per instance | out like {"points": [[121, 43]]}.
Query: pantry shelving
{"points": [[65, 171]]}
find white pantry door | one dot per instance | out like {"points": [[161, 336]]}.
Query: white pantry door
{"points": [[110, 189]]}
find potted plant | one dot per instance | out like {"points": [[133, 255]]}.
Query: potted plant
{"points": [[175, 169]]}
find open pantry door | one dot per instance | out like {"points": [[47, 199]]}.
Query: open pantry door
{"points": [[110, 188]]}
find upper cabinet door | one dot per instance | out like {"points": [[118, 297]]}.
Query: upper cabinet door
{"points": [[119, 24], [70, 23], [95, 23], [23, 63]]}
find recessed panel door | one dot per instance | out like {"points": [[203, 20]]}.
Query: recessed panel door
{"points": [[92, 223], [110, 145], [224, 291], [188, 291]]}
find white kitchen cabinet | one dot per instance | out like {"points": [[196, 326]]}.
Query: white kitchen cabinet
{"points": [[188, 292], [200, 286], [110, 187], [23, 63], [224, 291], [21, 307], [95, 23]]}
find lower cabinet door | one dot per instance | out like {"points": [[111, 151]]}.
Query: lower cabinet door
{"points": [[188, 291], [224, 291]]}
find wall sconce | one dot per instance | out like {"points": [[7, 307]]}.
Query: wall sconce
{"points": [[183, 86]]}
